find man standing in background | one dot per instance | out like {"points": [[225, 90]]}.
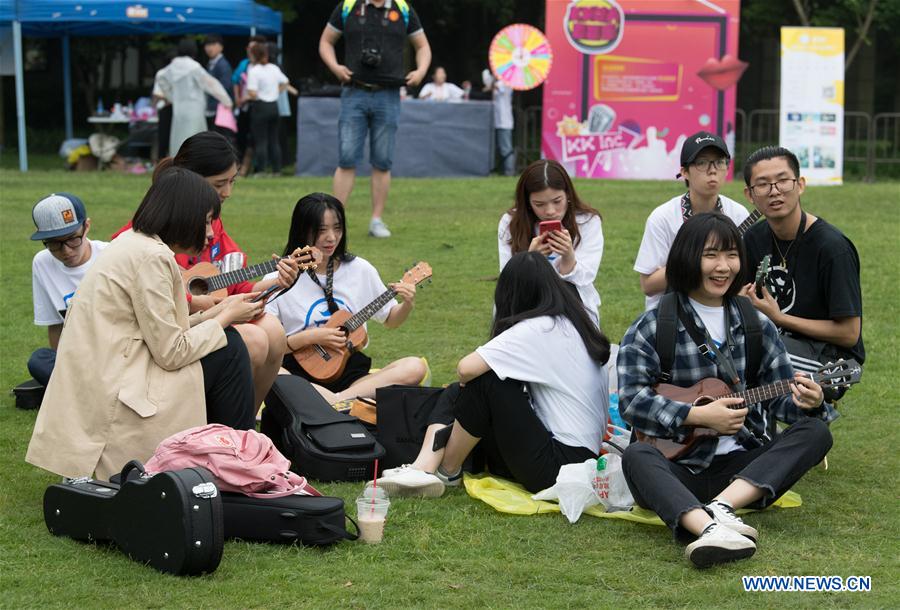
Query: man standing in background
{"points": [[220, 69], [375, 34]]}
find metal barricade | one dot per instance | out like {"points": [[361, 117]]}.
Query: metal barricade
{"points": [[884, 143]]}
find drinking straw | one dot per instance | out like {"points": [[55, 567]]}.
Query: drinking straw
{"points": [[374, 485]]}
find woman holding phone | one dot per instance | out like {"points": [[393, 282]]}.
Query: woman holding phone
{"points": [[534, 397], [550, 218], [212, 156], [133, 367]]}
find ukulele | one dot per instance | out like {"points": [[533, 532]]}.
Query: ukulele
{"points": [[205, 278], [842, 373], [762, 275], [326, 364], [749, 222]]}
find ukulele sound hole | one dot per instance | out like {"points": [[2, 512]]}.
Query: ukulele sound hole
{"points": [[198, 286]]}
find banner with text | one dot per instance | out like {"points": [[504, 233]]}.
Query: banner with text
{"points": [[631, 79], [812, 101]]}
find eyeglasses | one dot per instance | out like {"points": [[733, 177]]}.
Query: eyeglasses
{"points": [[704, 164], [785, 185], [56, 246]]}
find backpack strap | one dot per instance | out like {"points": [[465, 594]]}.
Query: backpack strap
{"points": [[666, 329], [753, 334], [401, 5]]}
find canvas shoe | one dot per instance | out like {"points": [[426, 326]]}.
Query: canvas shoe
{"points": [[377, 228], [449, 480], [718, 544], [409, 481], [724, 514]]}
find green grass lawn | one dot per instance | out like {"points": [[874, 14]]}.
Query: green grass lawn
{"points": [[455, 551]]}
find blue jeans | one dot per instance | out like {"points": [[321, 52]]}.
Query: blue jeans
{"points": [[376, 113], [41, 364], [506, 151]]}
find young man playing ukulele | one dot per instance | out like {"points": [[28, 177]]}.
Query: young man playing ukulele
{"points": [[743, 465], [813, 291]]}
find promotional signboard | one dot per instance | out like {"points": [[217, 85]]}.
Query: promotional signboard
{"points": [[631, 79], [812, 101]]}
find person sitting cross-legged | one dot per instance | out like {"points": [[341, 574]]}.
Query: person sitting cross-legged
{"points": [[696, 493]]}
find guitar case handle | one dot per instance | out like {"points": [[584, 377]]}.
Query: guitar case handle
{"points": [[128, 468]]}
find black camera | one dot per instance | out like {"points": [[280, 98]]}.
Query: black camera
{"points": [[371, 57]]}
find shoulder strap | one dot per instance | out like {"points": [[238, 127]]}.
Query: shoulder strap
{"points": [[346, 9], [753, 334], [666, 329], [403, 7]]}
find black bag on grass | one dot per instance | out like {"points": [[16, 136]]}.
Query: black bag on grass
{"points": [[404, 413], [321, 443]]}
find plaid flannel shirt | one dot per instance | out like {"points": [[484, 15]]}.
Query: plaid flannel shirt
{"points": [[639, 368]]}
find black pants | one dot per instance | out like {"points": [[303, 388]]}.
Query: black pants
{"points": [[228, 384], [358, 366], [670, 490], [264, 125], [515, 442], [163, 131]]}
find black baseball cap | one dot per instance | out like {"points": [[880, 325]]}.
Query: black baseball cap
{"points": [[697, 142]]}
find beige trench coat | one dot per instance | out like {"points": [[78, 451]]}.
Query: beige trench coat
{"points": [[128, 370]]}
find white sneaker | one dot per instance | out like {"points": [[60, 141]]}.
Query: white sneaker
{"points": [[718, 544], [377, 228], [389, 472], [723, 513], [409, 481]]}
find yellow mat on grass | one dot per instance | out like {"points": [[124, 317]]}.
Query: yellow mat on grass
{"points": [[508, 497]]}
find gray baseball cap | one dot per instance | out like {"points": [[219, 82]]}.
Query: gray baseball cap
{"points": [[56, 215]]}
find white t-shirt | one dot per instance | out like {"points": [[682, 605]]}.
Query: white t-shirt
{"points": [[53, 284], [503, 114], [264, 79], [588, 252], [569, 391], [713, 319], [448, 92], [356, 284], [659, 233]]}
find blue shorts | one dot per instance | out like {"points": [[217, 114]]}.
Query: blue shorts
{"points": [[376, 113]]}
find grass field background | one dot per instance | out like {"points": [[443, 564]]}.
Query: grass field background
{"points": [[455, 551]]}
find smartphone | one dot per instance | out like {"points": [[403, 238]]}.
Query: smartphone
{"points": [[546, 226], [265, 294]]}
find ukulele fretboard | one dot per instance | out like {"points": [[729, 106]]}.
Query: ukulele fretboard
{"points": [[360, 317], [755, 395], [224, 280], [749, 221]]}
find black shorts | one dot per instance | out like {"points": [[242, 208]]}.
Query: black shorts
{"points": [[358, 366]]}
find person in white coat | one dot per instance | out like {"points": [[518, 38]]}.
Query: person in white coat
{"points": [[184, 83]]}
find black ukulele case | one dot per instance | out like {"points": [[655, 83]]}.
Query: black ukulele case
{"points": [[321, 443], [307, 520], [172, 521]]}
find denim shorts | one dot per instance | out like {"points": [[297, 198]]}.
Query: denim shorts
{"points": [[376, 113]]}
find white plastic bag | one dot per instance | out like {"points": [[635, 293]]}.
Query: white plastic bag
{"points": [[609, 484], [580, 486]]}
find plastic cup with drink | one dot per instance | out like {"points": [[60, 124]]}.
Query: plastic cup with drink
{"points": [[371, 513]]}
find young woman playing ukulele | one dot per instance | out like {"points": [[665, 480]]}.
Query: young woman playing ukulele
{"points": [[341, 281], [744, 466]]}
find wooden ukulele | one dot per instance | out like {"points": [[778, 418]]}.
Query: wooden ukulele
{"points": [[326, 364], [749, 222], [205, 278], [842, 373]]}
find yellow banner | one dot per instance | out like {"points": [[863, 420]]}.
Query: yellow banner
{"points": [[821, 41]]}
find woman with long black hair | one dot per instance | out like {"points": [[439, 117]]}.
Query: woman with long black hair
{"points": [[534, 396]]}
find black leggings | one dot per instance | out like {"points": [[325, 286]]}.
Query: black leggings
{"points": [[515, 442], [264, 125], [228, 384]]}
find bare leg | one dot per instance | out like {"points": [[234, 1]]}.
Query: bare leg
{"points": [[458, 449], [381, 184], [428, 459], [740, 493], [329, 396], [342, 184], [695, 521], [406, 371], [265, 374]]}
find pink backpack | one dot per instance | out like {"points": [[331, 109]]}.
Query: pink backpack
{"points": [[244, 461]]}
